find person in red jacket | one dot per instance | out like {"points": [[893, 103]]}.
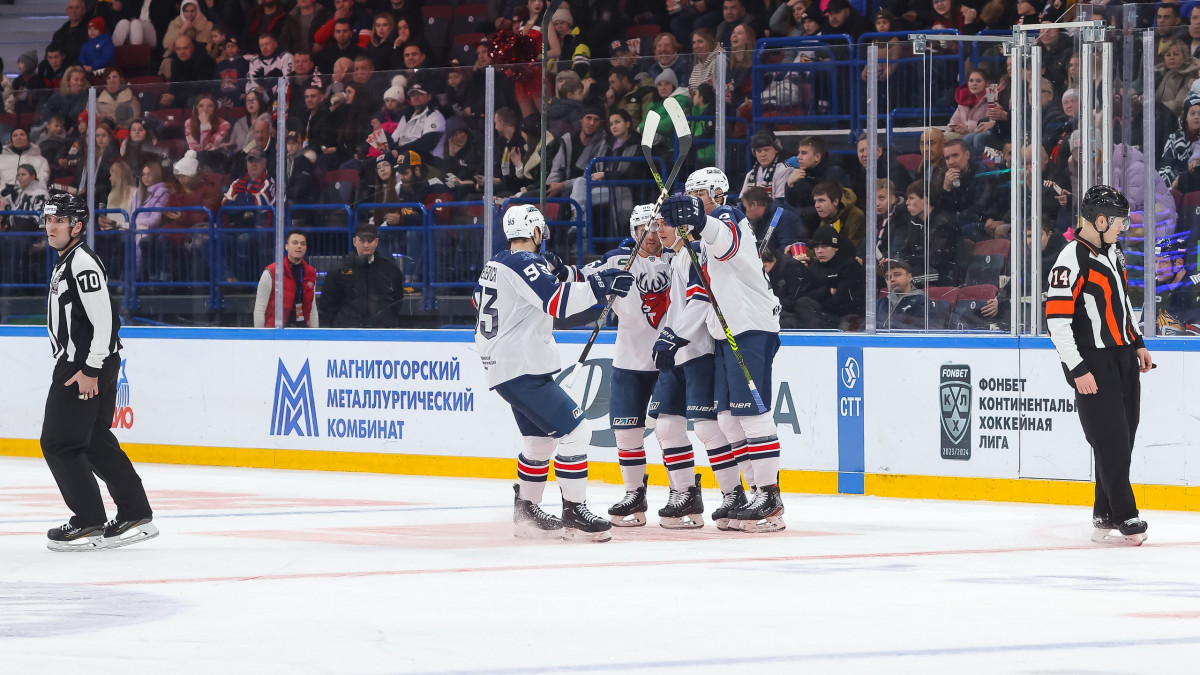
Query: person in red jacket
{"points": [[300, 284]]}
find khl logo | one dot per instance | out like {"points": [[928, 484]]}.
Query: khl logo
{"points": [[123, 413], [955, 394], [294, 408]]}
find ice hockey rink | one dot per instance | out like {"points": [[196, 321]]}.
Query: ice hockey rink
{"points": [[263, 571]]}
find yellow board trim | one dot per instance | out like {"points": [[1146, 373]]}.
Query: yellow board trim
{"points": [[1031, 491]]}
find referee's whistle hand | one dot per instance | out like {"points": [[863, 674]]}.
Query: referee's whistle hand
{"points": [[1086, 384], [1145, 363], [88, 386]]}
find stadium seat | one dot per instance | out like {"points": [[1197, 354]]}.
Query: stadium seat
{"points": [[173, 148], [464, 48], [232, 115], [132, 58], [341, 176], [646, 32], [470, 18], [553, 209], [909, 161], [986, 268], [436, 30], [944, 294], [1189, 214], [145, 79], [992, 247], [29, 119], [63, 182], [10, 119], [1178, 197]]}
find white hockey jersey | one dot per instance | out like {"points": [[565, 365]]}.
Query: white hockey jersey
{"points": [[516, 300], [736, 275], [641, 312], [690, 309]]}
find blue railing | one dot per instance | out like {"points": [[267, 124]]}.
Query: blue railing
{"points": [[560, 228], [605, 232], [453, 246], [405, 239]]}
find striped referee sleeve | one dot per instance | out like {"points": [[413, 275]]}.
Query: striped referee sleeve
{"points": [[1065, 285]]}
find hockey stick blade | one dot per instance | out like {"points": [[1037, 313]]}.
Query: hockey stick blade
{"points": [[678, 119], [770, 230]]}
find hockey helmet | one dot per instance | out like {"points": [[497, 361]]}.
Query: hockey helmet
{"points": [[520, 221], [711, 180], [1103, 200], [65, 204], [638, 217]]}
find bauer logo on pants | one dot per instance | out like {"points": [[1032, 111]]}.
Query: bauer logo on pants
{"points": [[294, 408], [955, 397]]}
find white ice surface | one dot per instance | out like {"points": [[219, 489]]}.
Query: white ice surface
{"points": [[300, 572]]}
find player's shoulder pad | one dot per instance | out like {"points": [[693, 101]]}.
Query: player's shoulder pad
{"points": [[518, 261], [619, 253]]}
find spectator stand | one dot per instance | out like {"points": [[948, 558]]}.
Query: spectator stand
{"points": [[111, 245], [704, 149], [820, 91], [615, 213], [560, 229], [20, 269], [328, 242], [239, 254], [168, 258], [453, 245]]}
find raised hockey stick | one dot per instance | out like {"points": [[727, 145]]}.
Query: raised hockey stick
{"points": [[712, 299], [770, 230], [684, 133]]}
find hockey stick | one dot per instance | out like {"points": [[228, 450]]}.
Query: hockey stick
{"points": [[712, 299], [684, 133], [770, 230]]}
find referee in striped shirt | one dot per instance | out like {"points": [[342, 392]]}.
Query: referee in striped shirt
{"points": [[77, 438], [1092, 326]]}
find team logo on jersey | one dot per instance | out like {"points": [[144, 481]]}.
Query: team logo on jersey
{"points": [[123, 414], [656, 296], [955, 395], [294, 409]]}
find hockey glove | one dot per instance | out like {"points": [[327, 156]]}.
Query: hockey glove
{"points": [[684, 212], [557, 267], [665, 347], [611, 282]]}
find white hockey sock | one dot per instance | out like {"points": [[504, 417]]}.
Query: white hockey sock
{"points": [[571, 463], [720, 454], [631, 456], [762, 447], [533, 466], [678, 457], [737, 443]]}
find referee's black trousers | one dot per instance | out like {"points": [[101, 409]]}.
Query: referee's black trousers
{"points": [[1110, 421], [77, 441]]}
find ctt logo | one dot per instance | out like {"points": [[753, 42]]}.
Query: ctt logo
{"points": [[294, 408], [123, 413], [955, 395]]}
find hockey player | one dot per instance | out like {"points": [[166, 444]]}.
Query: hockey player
{"points": [[1091, 323], [752, 312], [685, 391], [517, 298], [77, 438], [640, 315]]}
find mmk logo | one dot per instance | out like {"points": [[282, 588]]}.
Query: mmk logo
{"points": [[123, 413], [294, 408]]}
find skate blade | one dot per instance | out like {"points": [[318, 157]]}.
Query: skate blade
{"points": [[728, 524], [81, 545], [772, 523], [532, 533], [691, 522], [579, 535], [631, 520], [1103, 537], [132, 536]]}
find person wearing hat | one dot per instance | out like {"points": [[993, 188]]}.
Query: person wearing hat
{"points": [[26, 88], [422, 129], [73, 34], [253, 189], [190, 22], [630, 93], [231, 74], [843, 18], [98, 52], [768, 171], [193, 191], [835, 295], [904, 306], [365, 289], [666, 85], [462, 159], [575, 150]]}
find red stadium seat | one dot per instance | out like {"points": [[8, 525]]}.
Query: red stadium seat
{"points": [[436, 30], [947, 294], [472, 18], [464, 48], [29, 119], [993, 247], [341, 176], [132, 58], [977, 292], [646, 32], [909, 161], [10, 119]]}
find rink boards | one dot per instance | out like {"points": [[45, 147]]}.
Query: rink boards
{"points": [[912, 416]]}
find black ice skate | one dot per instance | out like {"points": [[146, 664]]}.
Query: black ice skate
{"points": [[631, 510], [684, 510], [531, 522], [118, 533], [580, 524], [1131, 532], [71, 538], [729, 503], [764, 514]]}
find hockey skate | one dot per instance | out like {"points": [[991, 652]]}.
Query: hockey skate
{"points": [[684, 510], [631, 510], [729, 503], [70, 538], [1132, 532], [764, 514], [118, 533], [580, 524], [531, 522]]}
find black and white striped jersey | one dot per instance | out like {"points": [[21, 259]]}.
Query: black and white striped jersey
{"points": [[1087, 303], [80, 316]]}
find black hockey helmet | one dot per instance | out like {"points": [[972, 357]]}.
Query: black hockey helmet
{"points": [[1103, 200], [65, 204]]}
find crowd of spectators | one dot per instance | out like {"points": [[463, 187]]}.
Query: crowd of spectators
{"points": [[385, 107]]}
